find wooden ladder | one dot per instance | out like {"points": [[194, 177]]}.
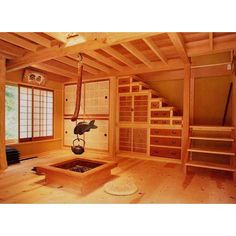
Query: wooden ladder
{"points": [[216, 142]]}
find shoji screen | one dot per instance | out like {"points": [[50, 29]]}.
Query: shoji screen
{"points": [[25, 113]]}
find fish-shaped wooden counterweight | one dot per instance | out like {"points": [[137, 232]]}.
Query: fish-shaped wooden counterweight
{"points": [[83, 127]]}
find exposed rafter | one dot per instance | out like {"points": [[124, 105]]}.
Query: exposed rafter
{"points": [[155, 49], [74, 63], [177, 41], [11, 49], [137, 53], [36, 38], [211, 41], [58, 36], [173, 64], [11, 38], [93, 64], [104, 60], [119, 57], [100, 41], [51, 67]]}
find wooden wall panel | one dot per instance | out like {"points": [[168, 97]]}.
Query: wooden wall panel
{"points": [[97, 138], [97, 97], [70, 99]]}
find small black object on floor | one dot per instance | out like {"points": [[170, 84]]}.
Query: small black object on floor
{"points": [[13, 155]]}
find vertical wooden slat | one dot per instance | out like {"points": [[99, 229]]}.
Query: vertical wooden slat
{"points": [[112, 116], [186, 112], [3, 159], [191, 115], [234, 121]]}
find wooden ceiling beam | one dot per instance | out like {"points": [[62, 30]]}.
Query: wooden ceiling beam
{"points": [[211, 41], [173, 64], [177, 40], [104, 60], [74, 63], [36, 38], [155, 49], [93, 64], [11, 38], [58, 36], [205, 49], [137, 53], [100, 41], [11, 49], [119, 56], [50, 67]]}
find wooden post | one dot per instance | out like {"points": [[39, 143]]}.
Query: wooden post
{"points": [[233, 109], [191, 108], [3, 159], [186, 113], [112, 117]]}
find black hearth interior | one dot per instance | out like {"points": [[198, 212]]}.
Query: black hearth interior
{"points": [[13, 155]]}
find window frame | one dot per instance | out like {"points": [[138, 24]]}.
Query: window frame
{"points": [[13, 140], [21, 140]]}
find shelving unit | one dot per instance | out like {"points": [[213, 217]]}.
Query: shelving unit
{"points": [[215, 141], [147, 123]]}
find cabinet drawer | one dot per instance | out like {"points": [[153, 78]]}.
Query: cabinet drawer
{"points": [[160, 114], [165, 152], [155, 105], [125, 89], [177, 122], [135, 88], [166, 132], [165, 141], [124, 81], [160, 122]]}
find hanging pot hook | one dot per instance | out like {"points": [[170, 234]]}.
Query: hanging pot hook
{"points": [[80, 57]]}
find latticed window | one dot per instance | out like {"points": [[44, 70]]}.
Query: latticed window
{"points": [[35, 113]]}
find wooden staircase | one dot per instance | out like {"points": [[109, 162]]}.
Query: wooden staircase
{"points": [[144, 107], [211, 147]]}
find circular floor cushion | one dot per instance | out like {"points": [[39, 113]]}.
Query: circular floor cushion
{"points": [[121, 187]]}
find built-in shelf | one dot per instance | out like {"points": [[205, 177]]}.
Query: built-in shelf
{"points": [[166, 146], [217, 151], [165, 136], [211, 128], [212, 139], [209, 165]]}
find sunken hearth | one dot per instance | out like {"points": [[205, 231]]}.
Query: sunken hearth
{"points": [[82, 175]]}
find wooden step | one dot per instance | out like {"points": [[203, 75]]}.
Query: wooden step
{"points": [[163, 100], [217, 151], [164, 109], [167, 118], [140, 83], [153, 92], [212, 139], [210, 165], [211, 128], [165, 136], [165, 146]]}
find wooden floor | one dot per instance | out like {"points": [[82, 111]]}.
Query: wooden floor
{"points": [[158, 182]]}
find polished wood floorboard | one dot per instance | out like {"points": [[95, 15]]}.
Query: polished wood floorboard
{"points": [[158, 182]]}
